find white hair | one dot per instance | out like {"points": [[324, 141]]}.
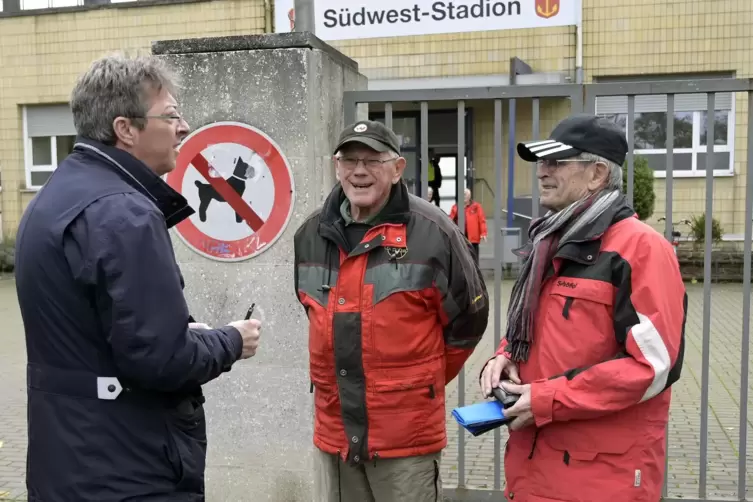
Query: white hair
{"points": [[614, 181]]}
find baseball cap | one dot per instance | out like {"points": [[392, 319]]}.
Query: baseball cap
{"points": [[371, 133], [578, 134]]}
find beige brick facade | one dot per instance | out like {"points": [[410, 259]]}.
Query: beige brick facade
{"points": [[41, 55]]}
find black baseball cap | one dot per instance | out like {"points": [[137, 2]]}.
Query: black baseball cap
{"points": [[373, 134], [578, 134]]}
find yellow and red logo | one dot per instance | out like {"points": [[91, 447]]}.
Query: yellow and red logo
{"points": [[547, 8]]}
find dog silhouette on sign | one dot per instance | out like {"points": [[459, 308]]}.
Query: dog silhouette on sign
{"points": [[237, 181]]}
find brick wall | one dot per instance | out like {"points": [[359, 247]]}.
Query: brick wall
{"points": [[679, 36], [42, 55]]}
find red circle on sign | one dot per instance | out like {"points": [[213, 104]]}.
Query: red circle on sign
{"points": [[271, 229]]}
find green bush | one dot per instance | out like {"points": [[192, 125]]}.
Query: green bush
{"points": [[643, 187], [698, 229], [7, 254]]}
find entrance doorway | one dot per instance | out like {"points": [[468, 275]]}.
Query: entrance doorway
{"points": [[443, 134]]}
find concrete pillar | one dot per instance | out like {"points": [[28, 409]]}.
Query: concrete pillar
{"points": [[289, 86]]}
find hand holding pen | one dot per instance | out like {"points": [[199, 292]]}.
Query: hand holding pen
{"points": [[250, 330]]}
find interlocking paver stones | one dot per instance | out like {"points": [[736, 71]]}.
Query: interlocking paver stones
{"points": [[684, 429], [12, 396]]}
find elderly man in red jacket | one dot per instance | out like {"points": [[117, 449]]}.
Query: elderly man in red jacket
{"points": [[396, 306], [595, 332]]}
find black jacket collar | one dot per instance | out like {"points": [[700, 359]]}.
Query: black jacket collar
{"points": [[173, 205], [332, 224]]}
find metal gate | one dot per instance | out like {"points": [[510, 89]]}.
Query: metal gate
{"points": [[472, 469]]}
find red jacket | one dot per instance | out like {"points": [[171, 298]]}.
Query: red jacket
{"points": [[475, 221], [391, 322], [608, 343]]}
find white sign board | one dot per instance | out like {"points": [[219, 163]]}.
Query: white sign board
{"points": [[356, 19]]}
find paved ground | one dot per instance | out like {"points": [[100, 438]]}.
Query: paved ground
{"points": [[479, 452], [12, 396]]}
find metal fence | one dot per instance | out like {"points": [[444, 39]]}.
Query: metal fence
{"points": [[583, 97]]}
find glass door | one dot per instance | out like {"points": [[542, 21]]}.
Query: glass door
{"points": [[406, 126]]}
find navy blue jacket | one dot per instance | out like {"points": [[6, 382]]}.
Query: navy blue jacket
{"points": [[101, 298]]}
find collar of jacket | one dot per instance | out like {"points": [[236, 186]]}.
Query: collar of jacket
{"points": [[173, 205], [584, 246], [396, 211]]}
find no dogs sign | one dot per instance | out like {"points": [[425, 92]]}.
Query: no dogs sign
{"points": [[241, 187]]}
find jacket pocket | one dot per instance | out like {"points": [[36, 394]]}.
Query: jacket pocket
{"points": [[326, 394], [586, 448], [187, 444], [402, 394], [588, 465], [584, 292], [586, 306]]}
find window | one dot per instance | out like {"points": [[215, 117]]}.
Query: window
{"points": [[689, 155], [49, 136]]}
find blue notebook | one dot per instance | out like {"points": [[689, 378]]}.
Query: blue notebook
{"points": [[481, 417]]}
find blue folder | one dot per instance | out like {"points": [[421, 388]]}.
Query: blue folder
{"points": [[481, 417]]}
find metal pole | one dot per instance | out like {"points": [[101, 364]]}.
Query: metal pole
{"points": [[497, 267], [460, 194], [631, 143], [423, 189], [304, 16], [744, 365], [668, 233], [702, 486], [534, 175]]}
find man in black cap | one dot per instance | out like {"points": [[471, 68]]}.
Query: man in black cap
{"points": [[595, 331], [396, 304]]}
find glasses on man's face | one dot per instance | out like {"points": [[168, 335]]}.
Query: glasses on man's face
{"points": [[172, 116], [560, 163], [352, 162]]}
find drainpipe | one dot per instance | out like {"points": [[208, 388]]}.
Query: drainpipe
{"points": [[268, 16], [579, 43], [517, 67], [304, 15]]}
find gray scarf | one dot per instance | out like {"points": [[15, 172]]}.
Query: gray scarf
{"points": [[547, 235]]}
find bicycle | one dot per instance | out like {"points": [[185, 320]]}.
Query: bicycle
{"points": [[676, 233]]}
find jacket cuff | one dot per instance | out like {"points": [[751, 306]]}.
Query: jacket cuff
{"points": [[236, 339], [542, 400]]}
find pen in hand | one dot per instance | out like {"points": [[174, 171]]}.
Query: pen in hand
{"points": [[250, 312]]}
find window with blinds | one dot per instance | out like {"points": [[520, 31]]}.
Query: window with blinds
{"points": [[690, 134], [49, 137]]}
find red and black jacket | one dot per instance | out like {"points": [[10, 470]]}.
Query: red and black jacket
{"points": [[391, 322]]}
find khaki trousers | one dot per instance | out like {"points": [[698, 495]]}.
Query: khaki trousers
{"points": [[409, 479]]}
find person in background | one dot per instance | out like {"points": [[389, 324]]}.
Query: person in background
{"points": [[435, 176], [429, 194], [595, 331], [115, 365], [396, 305], [475, 221]]}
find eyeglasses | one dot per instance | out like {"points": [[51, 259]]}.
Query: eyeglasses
{"points": [[174, 116], [352, 162], [559, 163]]}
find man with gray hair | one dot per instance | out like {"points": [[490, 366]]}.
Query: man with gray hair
{"points": [[595, 331], [115, 361]]}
